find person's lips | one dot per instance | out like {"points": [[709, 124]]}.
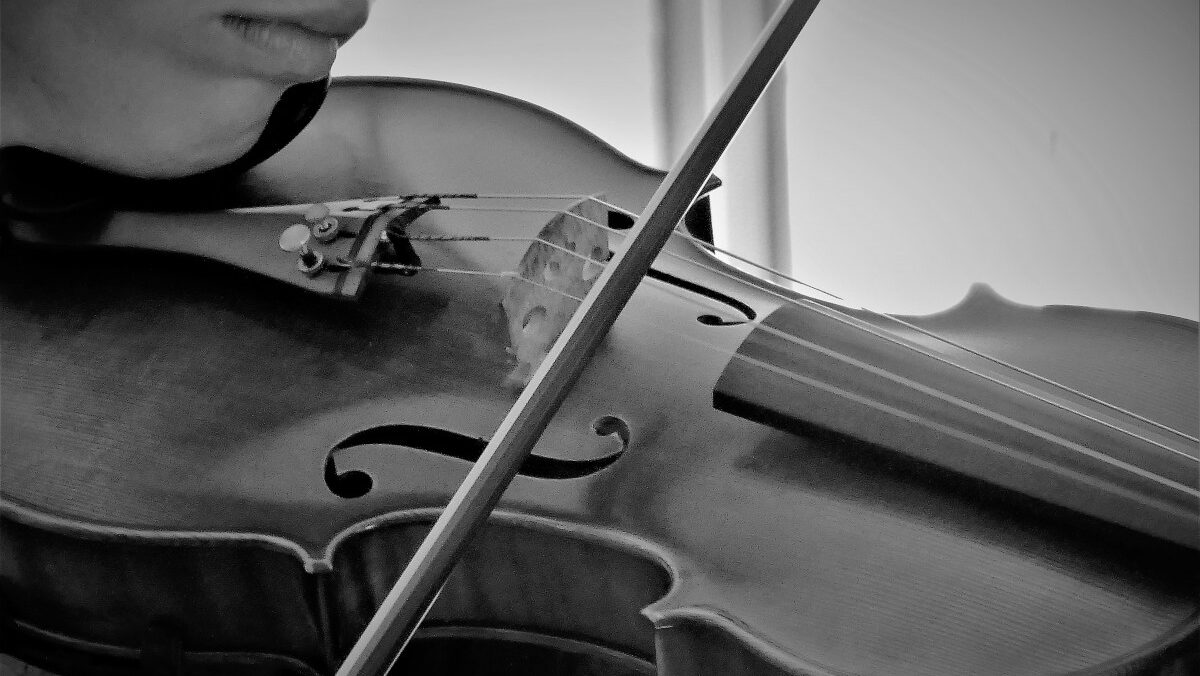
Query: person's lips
{"points": [[296, 46], [339, 21]]}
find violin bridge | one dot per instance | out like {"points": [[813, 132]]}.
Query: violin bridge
{"points": [[549, 284]]}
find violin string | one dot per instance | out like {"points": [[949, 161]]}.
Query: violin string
{"points": [[404, 267], [487, 195], [919, 329], [857, 324], [828, 312], [1046, 436], [465, 238], [486, 238], [875, 331], [951, 399], [883, 373], [939, 427], [846, 319], [849, 321], [547, 210], [424, 237], [948, 398], [927, 390], [981, 410]]}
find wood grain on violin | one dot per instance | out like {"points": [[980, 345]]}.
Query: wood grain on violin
{"points": [[169, 425]]}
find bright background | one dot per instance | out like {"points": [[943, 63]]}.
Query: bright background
{"points": [[1049, 149]]}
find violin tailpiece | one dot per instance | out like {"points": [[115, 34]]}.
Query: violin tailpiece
{"points": [[275, 242]]}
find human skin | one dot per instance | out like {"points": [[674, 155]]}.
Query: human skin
{"points": [[158, 88]]}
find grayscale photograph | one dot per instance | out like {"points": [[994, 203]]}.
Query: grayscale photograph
{"points": [[581, 338]]}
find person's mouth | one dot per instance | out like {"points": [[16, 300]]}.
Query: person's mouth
{"points": [[299, 46]]}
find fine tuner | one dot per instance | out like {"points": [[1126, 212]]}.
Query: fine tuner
{"points": [[319, 225], [335, 247], [296, 240], [324, 228]]}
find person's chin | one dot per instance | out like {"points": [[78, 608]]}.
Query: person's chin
{"points": [[201, 158], [171, 158]]}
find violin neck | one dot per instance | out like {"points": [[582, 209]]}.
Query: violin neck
{"points": [[804, 370]]}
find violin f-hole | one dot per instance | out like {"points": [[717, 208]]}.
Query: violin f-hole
{"points": [[350, 484], [747, 313], [355, 483], [612, 426]]}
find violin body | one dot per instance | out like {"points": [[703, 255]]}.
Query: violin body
{"points": [[179, 437]]}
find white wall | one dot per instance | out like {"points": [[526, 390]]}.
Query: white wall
{"points": [[1051, 149]]}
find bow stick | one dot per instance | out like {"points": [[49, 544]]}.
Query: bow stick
{"points": [[415, 591]]}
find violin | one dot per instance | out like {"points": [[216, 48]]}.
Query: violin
{"points": [[218, 455]]}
